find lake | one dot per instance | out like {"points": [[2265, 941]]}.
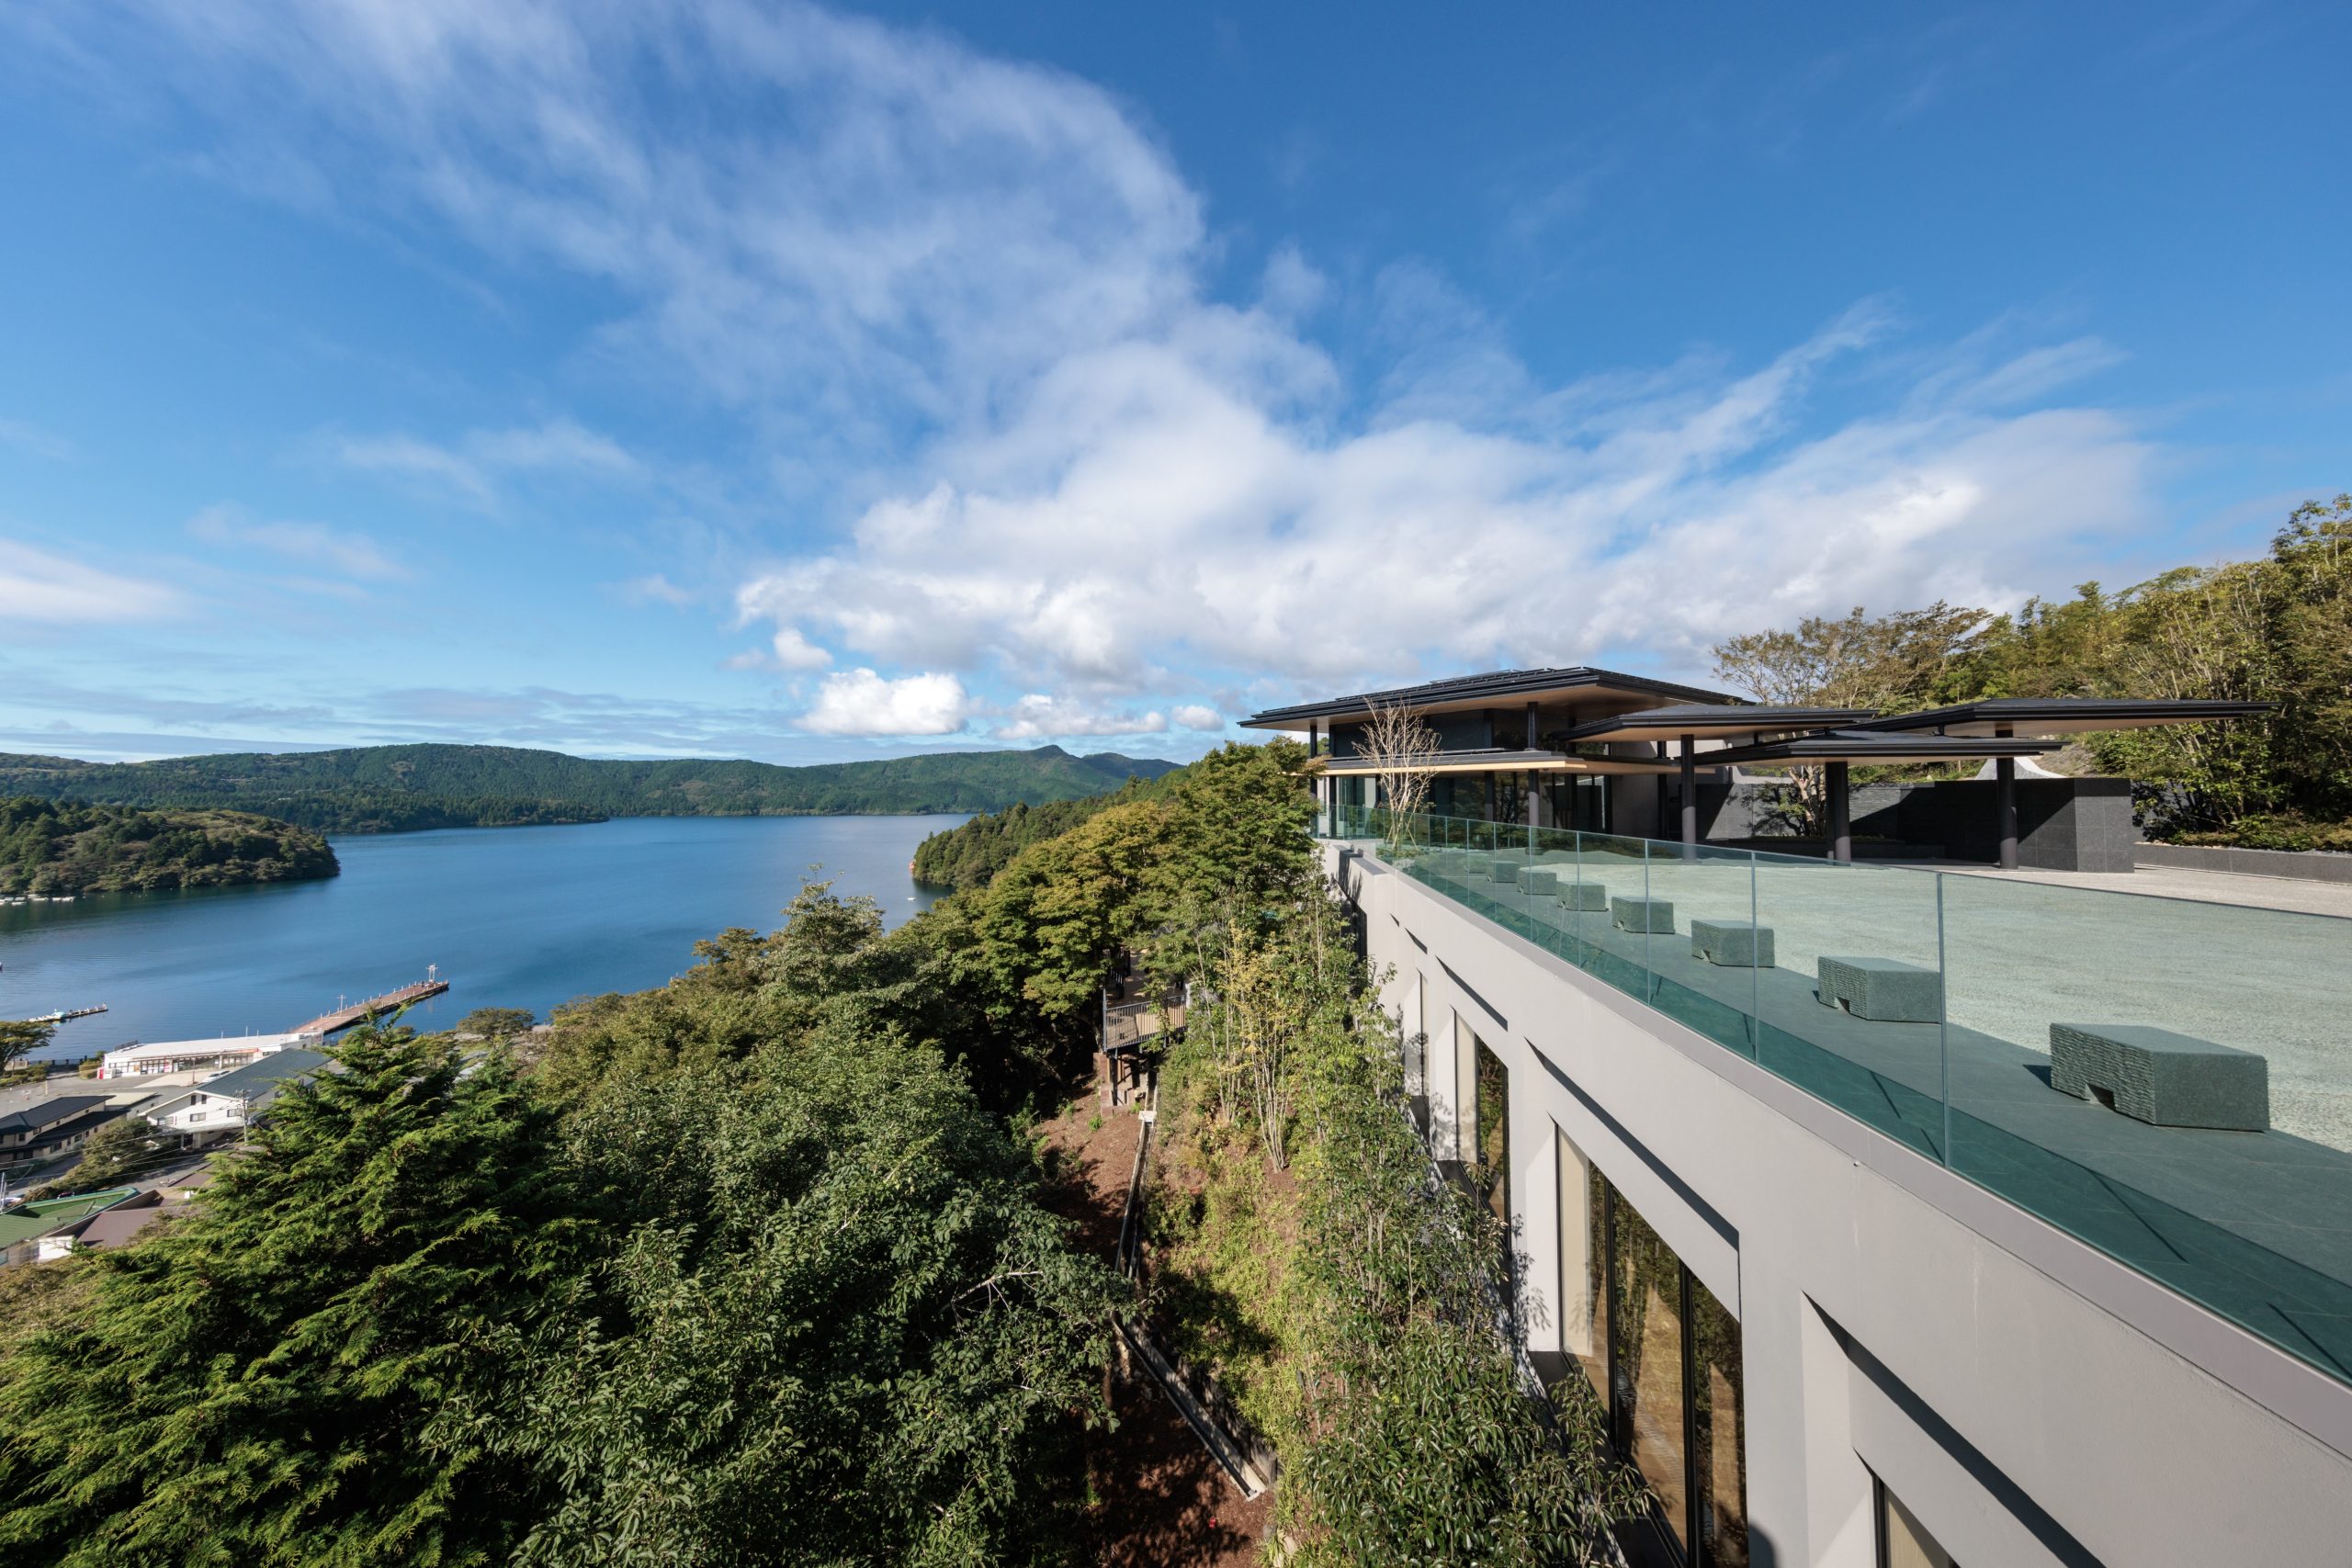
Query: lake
{"points": [[515, 917]]}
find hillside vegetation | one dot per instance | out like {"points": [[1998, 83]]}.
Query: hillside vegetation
{"points": [[758, 1267], [970, 853], [52, 848], [383, 789]]}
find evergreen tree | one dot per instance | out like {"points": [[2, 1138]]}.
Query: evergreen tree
{"points": [[253, 1386]]}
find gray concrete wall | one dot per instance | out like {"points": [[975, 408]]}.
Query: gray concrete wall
{"points": [[2062, 824], [2032, 1401], [2300, 867]]}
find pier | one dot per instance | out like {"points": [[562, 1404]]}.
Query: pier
{"points": [[65, 1015], [373, 1007]]}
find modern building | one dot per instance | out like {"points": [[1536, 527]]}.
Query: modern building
{"points": [[220, 1106], [1893, 1216], [1600, 751], [181, 1055]]}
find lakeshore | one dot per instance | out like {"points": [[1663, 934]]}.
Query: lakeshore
{"points": [[514, 917]]}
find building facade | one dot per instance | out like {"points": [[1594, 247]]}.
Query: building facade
{"points": [[1893, 1216]]}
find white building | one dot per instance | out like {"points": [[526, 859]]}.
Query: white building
{"points": [[180, 1056], [1869, 1280]]}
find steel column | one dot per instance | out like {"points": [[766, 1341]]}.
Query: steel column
{"points": [[1841, 832], [2005, 795], [1690, 799]]}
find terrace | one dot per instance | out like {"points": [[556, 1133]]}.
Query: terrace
{"points": [[2254, 1224]]}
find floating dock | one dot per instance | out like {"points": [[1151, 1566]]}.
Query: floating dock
{"points": [[374, 1006]]}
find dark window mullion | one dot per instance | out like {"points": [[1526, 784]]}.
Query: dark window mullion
{"points": [[1691, 1509]]}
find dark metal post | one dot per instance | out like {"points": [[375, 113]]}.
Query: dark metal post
{"points": [[1841, 832], [1690, 800], [2005, 795]]}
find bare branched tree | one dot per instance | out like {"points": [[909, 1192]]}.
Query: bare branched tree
{"points": [[1404, 747]]}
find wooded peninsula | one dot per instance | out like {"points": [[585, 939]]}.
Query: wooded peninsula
{"points": [[51, 849]]}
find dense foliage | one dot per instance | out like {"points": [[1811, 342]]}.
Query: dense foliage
{"points": [[968, 854], [395, 788], [750, 1269], [2275, 630], [1360, 1310], [51, 848]]}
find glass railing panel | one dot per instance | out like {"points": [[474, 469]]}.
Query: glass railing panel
{"points": [[1705, 945], [2215, 1155], [1942, 991]]}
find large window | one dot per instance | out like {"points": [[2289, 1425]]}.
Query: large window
{"points": [[1492, 1121], [1902, 1540], [1665, 1358]]}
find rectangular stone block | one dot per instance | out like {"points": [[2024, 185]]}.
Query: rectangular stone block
{"points": [[1736, 944], [2164, 1079], [1586, 897], [1652, 915], [1883, 989], [1539, 881]]}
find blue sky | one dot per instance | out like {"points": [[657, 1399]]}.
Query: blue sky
{"points": [[806, 384]]}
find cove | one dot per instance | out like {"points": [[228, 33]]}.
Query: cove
{"points": [[514, 917]]}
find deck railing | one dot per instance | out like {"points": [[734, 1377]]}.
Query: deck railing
{"points": [[1968, 974]]}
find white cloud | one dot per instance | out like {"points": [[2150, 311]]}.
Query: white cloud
{"points": [[859, 702], [1038, 717], [976, 290], [471, 471], [51, 589], [1195, 715], [352, 554], [656, 589]]}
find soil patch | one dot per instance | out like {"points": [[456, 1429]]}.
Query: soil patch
{"points": [[1162, 1499]]}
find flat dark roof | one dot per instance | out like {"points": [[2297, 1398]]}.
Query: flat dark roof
{"points": [[1714, 720], [1875, 746], [1465, 691], [2065, 716]]}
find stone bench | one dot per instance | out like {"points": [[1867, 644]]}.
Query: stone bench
{"points": [[1506, 869], [1539, 881], [1883, 989], [1652, 915], [1737, 943], [2162, 1078], [1585, 898]]}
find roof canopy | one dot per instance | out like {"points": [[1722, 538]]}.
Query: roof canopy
{"points": [[1493, 762], [1496, 688], [2062, 716], [1714, 721], [1877, 746]]}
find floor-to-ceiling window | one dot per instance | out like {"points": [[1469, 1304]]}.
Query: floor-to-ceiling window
{"points": [[1492, 1120], [1665, 1357], [1902, 1540]]}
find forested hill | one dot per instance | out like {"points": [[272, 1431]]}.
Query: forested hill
{"points": [[970, 853], [50, 849], [395, 788]]}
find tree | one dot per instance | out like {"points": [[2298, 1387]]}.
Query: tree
{"points": [[497, 1023], [258, 1384], [1406, 747], [124, 1148], [837, 1327], [19, 1038]]}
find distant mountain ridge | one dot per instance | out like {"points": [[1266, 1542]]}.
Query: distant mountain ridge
{"points": [[378, 789]]}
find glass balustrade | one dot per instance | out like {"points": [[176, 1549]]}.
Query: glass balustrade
{"points": [[2170, 1081]]}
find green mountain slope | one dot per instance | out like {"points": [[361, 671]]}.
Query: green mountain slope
{"points": [[393, 788], [50, 849]]}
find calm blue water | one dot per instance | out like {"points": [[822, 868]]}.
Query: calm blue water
{"points": [[515, 917]]}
